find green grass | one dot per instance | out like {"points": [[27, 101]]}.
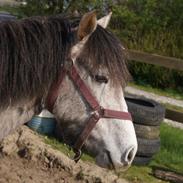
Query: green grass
{"points": [[10, 9], [140, 174], [173, 107], [164, 92], [170, 156], [65, 149], [171, 153]]}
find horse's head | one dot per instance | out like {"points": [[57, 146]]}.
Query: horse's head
{"points": [[99, 59]]}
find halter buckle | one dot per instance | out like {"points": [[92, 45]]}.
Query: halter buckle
{"points": [[98, 113], [95, 114]]}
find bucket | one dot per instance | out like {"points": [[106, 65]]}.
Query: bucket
{"points": [[43, 123]]}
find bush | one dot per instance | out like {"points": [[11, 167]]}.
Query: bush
{"points": [[156, 76], [152, 26], [51, 7]]}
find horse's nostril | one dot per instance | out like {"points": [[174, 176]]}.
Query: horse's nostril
{"points": [[130, 154]]}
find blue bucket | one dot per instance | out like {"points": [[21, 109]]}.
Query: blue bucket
{"points": [[44, 123]]}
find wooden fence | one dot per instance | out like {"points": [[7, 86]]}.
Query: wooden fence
{"points": [[168, 62]]}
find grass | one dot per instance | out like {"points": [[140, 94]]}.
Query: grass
{"points": [[140, 174], [171, 153], [173, 107], [65, 148], [164, 92], [11, 9], [170, 156]]}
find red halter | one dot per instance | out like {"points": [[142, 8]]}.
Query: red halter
{"points": [[97, 110]]}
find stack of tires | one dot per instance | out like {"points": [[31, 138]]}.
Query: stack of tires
{"points": [[147, 116]]}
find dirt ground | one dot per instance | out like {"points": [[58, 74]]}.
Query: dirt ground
{"points": [[14, 169], [25, 158]]}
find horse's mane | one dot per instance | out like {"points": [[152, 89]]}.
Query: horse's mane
{"points": [[32, 52], [104, 50]]}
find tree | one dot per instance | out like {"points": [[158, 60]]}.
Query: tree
{"points": [[47, 7]]}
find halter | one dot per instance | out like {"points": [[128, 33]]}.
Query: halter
{"points": [[97, 112]]}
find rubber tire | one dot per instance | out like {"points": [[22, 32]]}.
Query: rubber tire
{"points": [[147, 132], [148, 148], [140, 160], [145, 111]]}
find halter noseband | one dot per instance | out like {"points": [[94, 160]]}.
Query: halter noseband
{"points": [[97, 110]]}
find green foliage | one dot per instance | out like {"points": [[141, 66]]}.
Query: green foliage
{"points": [[149, 25], [42, 7], [156, 76], [152, 26], [12, 10], [51, 7]]}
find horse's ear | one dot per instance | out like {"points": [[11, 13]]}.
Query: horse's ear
{"points": [[87, 24], [104, 21]]}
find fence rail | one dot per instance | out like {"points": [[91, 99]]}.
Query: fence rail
{"points": [[168, 62]]}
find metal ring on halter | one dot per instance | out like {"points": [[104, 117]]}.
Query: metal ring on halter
{"points": [[95, 114], [98, 113], [77, 155]]}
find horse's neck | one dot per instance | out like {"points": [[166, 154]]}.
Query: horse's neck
{"points": [[12, 117]]}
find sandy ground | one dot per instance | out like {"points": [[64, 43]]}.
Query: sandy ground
{"points": [[25, 158], [14, 169]]}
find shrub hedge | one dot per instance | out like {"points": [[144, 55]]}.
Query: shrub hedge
{"points": [[152, 26], [156, 76]]}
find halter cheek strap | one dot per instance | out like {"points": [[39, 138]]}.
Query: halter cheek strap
{"points": [[97, 111]]}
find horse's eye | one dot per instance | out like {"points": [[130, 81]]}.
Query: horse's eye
{"points": [[100, 79]]}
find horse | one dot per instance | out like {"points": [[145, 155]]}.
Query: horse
{"points": [[76, 71]]}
